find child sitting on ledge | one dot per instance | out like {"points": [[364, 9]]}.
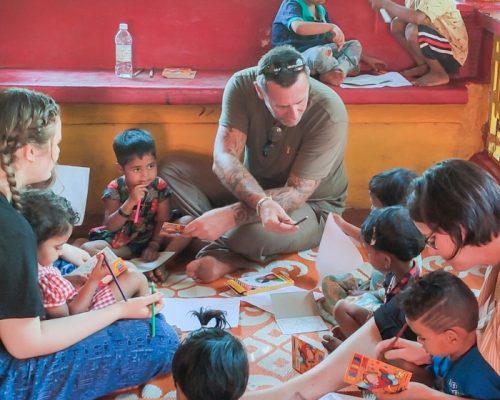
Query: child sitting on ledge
{"points": [[434, 35], [305, 25]]}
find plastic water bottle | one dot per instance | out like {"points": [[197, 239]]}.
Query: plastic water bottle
{"points": [[123, 42]]}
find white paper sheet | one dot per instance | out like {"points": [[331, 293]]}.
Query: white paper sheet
{"points": [[290, 326], [72, 183], [263, 300], [297, 312], [144, 266], [389, 79], [337, 254], [177, 311]]}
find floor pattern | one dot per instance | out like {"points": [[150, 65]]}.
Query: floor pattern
{"points": [[268, 349]]}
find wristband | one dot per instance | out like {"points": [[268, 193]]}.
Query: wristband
{"points": [[123, 214], [260, 202]]}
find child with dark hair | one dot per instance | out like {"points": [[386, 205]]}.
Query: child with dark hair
{"points": [[306, 25], [392, 241], [136, 205], [444, 314], [52, 218], [210, 364], [387, 188]]}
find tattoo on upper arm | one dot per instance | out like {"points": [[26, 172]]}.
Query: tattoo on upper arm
{"points": [[233, 142]]}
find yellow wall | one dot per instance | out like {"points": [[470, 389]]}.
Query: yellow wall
{"points": [[380, 136]]}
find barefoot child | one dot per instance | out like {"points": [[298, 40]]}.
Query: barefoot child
{"points": [[434, 35], [52, 219], [210, 364], [305, 24], [136, 205], [392, 241], [443, 313]]}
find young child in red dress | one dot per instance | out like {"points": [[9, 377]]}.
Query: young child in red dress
{"points": [[52, 219]]}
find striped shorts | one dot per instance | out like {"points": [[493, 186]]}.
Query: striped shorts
{"points": [[436, 47]]}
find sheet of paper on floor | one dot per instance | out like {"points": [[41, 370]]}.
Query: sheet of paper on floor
{"points": [[389, 79], [144, 266], [72, 183], [337, 254], [297, 312], [178, 311], [263, 300]]}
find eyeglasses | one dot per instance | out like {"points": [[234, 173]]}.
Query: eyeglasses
{"points": [[430, 241], [274, 135], [294, 65]]}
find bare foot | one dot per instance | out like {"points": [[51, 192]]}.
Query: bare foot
{"points": [[433, 78], [419, 70], [335, 77], [330, 343], [160, 274], [208, 269]]}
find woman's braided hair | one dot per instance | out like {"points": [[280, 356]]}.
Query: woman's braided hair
{"points": [[25, 116]]}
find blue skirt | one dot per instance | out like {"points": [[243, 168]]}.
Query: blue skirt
{"points": [[120, 355]]}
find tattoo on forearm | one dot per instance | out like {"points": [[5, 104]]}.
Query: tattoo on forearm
{"points": [[295, 193], [243, 214]]}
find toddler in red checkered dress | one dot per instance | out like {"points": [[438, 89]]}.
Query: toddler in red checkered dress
{"points": [[52, 220]]}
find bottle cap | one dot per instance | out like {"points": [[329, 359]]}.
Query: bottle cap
{"points": [[124, 26]]}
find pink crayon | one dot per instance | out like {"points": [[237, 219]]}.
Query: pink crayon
{"points": [[137, 212]]}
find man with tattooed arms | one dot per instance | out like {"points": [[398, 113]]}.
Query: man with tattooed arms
{"points": [[278, 153]]}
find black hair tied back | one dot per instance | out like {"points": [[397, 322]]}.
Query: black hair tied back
{"points": [[205, 315]]}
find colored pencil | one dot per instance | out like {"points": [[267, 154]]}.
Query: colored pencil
{"points": [[153, 319], [137, 212], [114, 278], [398, 335]]}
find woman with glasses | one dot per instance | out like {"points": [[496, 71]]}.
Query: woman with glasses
{"points": [[278, 158], [456, 205]]}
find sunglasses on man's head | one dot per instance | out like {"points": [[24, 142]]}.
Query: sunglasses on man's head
{"points": [[294, 65], [274, 135]]}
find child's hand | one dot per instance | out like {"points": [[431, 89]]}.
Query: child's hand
{"points": [[137, 194], [338, 37], [403, 349], [150, 253], [375, 64], [339, 221], [100, 270]]}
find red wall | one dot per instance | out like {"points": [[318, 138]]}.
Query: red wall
{"points": [[202, 34]]}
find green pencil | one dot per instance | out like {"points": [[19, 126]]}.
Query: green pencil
{"points": [[153, 319]]}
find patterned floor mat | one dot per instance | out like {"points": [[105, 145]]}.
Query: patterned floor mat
{"points": [[268, 349]]}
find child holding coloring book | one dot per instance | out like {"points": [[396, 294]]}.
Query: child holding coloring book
{"points": [[392, 242], [52, 219], [136, 205]]}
